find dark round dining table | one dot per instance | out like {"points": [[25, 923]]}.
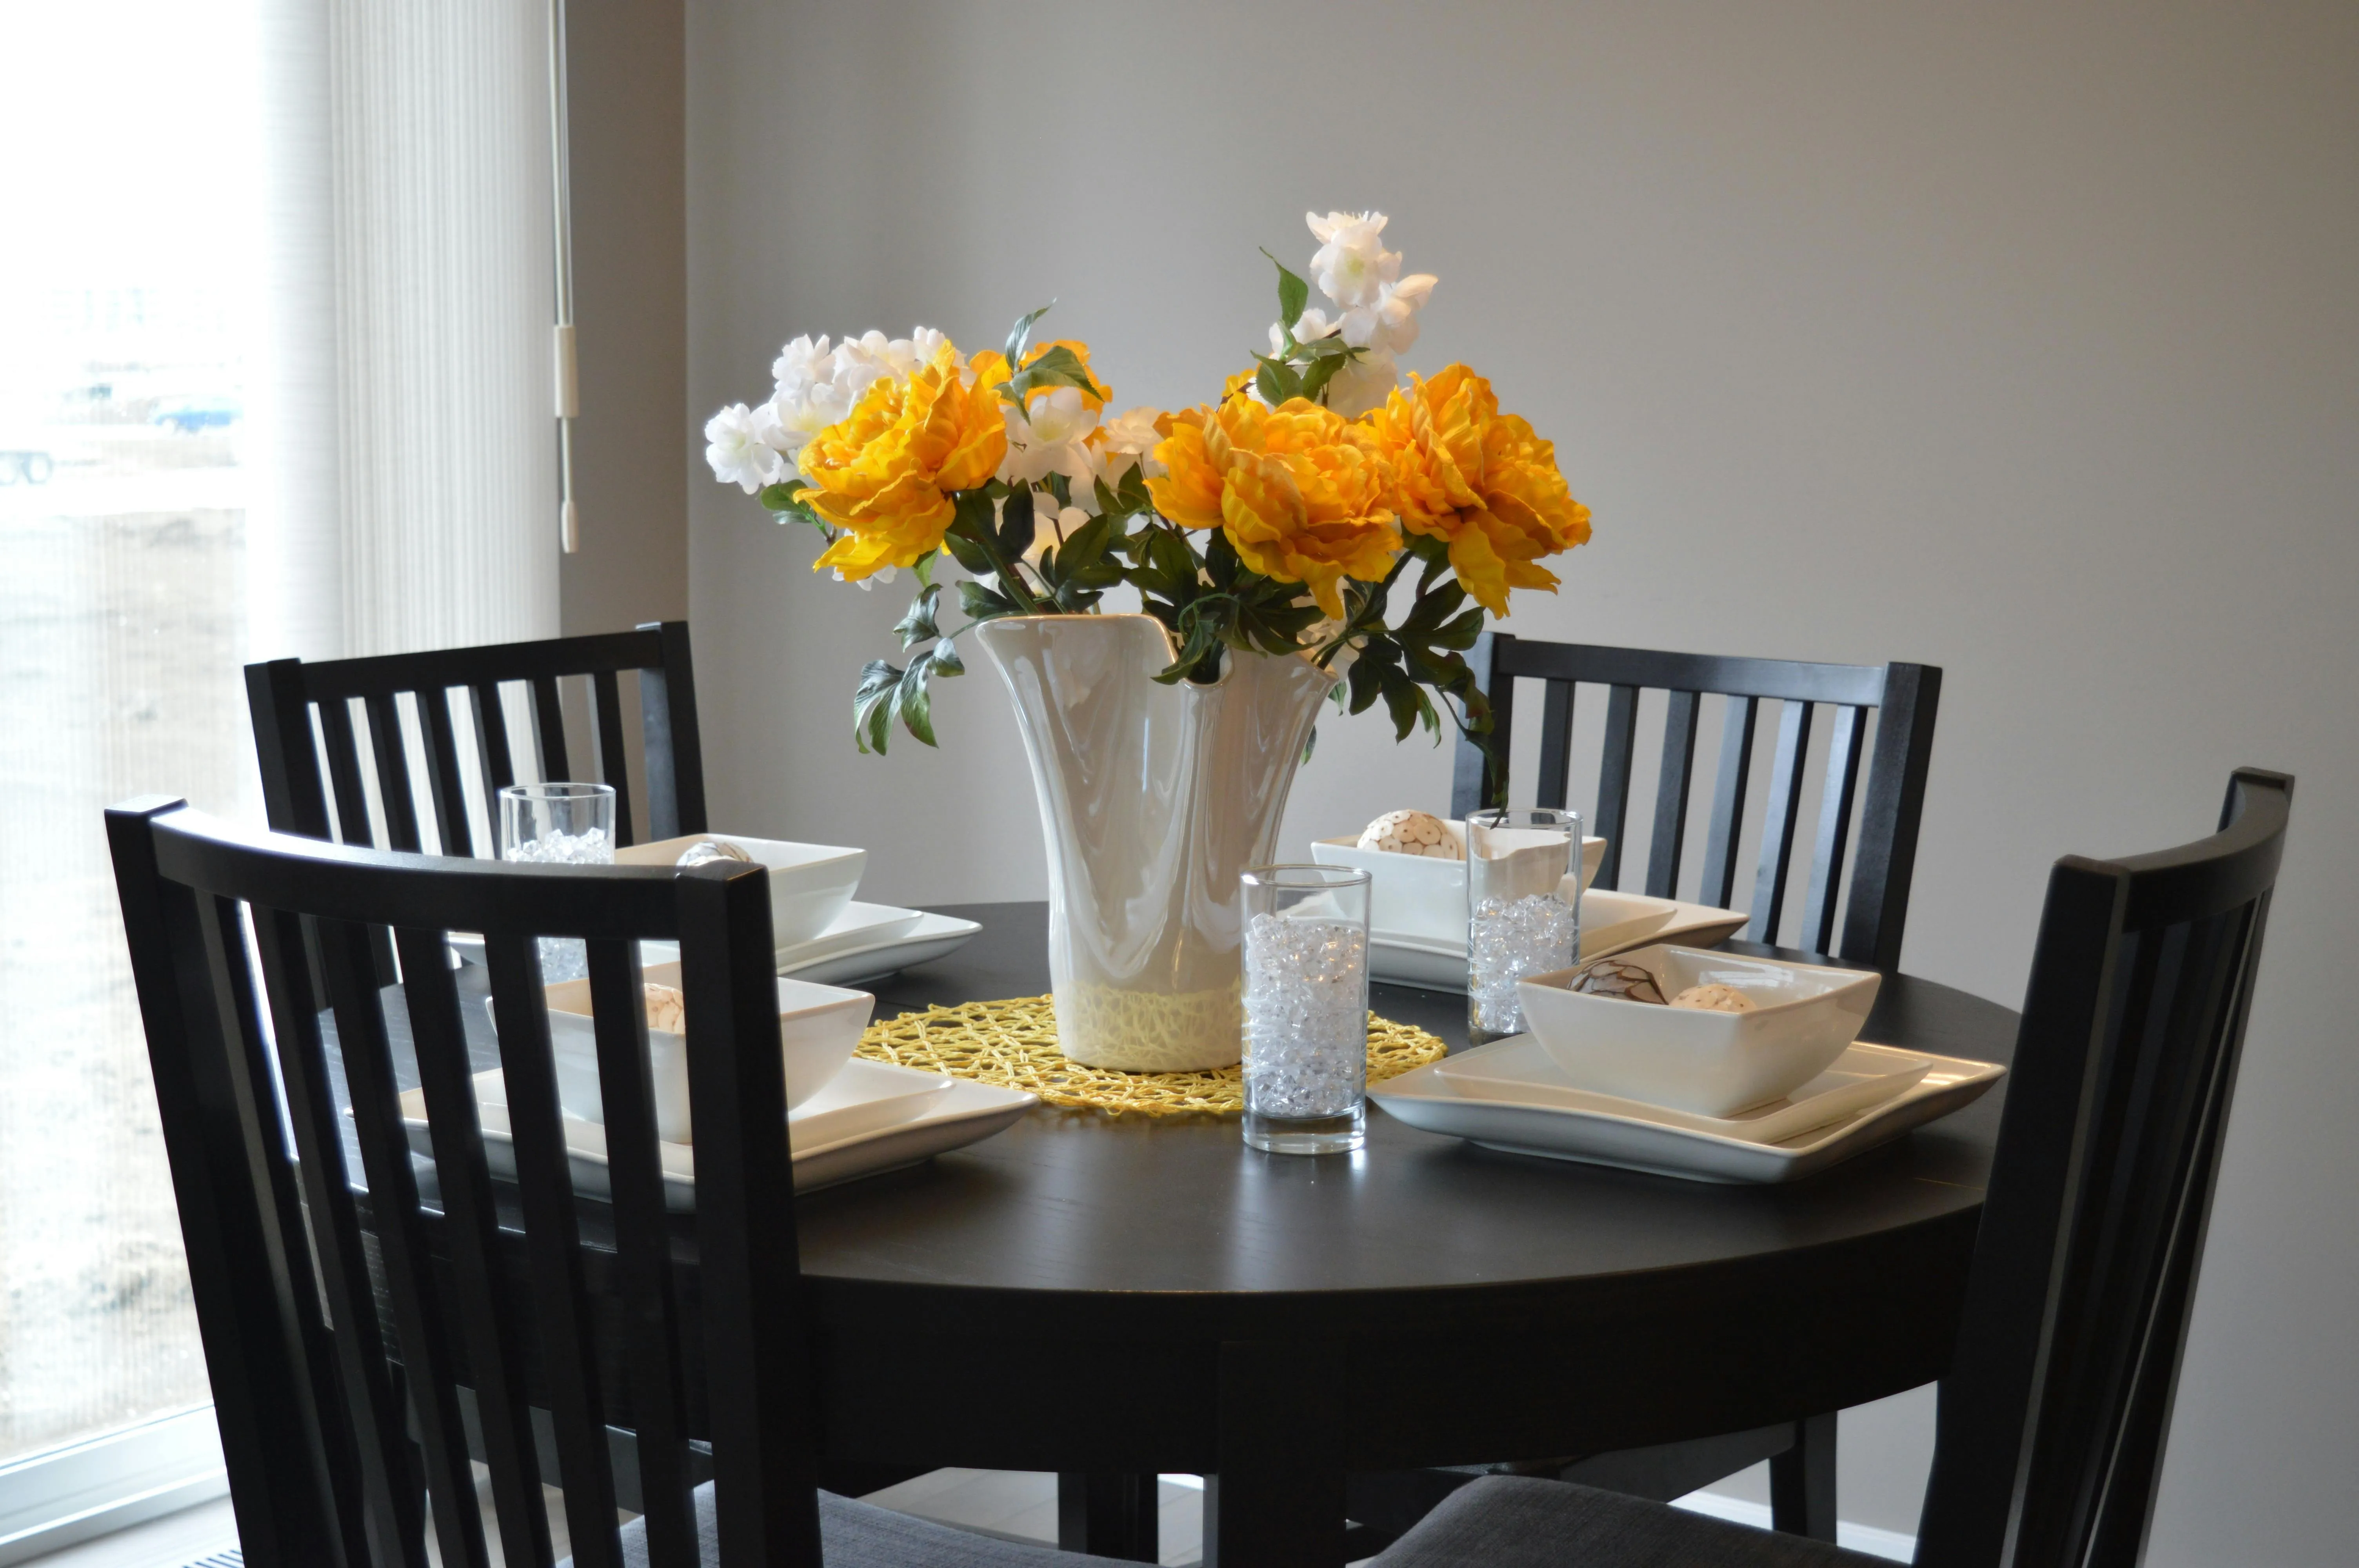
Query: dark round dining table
{"points": [[1119, 1296]]}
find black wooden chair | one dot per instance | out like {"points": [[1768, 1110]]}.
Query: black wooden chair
{"points": [[1904, 697], [2055, 1410], [337, 1322], [285, 695]]}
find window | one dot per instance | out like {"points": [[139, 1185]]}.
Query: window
{"points": [[127, 325]]}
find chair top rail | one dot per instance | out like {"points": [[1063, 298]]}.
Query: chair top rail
{"points": [[2210, 875], [384, 887], [384, 674], [1858, 686]]}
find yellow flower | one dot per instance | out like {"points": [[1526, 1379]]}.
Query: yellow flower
{"points": [[886, 471], [1301, 493], [1479, 479]]}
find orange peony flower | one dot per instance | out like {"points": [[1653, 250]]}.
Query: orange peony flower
{"points": [[886, 471], [1479, 479], [1301, 493]]}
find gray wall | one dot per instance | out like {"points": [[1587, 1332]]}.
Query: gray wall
{"points": [[2018, 340], [627, 82]]}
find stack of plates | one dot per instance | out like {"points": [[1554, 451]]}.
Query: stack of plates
{"points": [[1609, 923], [866, 942], [1509, 1094], [872, 1117]]}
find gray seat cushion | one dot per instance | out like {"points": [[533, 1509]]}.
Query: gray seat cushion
{"points": [[861, 1535], [1512, 1521]]}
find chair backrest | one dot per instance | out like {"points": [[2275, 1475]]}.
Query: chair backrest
{"points": [[317, 1382], [1904, 697], [2054, 1412], [284, 695]]}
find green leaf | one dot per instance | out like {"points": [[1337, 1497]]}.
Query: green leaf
{"points": [[1021, 333], [968, 554], [982, 603], [925, 568], [1404, 702], [1057, 366], [1018, 518], [1293, 293], [785, 502], [872, 706], [947, 663], [918, 623], [1132, 493], [915, 703], [1315, 379]]}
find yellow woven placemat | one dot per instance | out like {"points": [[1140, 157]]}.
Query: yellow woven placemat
{"points": [[1012, 1044]]}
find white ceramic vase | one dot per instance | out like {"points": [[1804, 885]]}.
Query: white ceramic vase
{"points": [[1153, 798]]}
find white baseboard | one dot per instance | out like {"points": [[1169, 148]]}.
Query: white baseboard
{"points": [[54, 1501], [1867, 1537]]}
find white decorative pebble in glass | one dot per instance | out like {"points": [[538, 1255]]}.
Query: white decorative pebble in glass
{"points": [[1516, 922], [558, 824], [1306, 1002]]}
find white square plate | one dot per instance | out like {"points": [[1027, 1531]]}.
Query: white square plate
{"points": [[1646, 1137]]}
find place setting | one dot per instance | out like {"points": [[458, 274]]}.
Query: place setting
{"points": [[846, 1117]]}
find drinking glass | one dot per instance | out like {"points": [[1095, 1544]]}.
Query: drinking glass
{"points": [[1518, 920], [558, 824], [1306, 1000]]}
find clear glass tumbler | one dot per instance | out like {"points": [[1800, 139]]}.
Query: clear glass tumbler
{"points": [[558, 824], [1518, 920], [1306, 995]]}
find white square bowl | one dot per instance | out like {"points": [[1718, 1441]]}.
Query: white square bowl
{"points": [[1418, 896], [817, 1028], [809, 883], [1712, 1063]]}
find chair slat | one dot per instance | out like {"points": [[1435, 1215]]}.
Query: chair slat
{"points": [[495, 1356], [426, 1359], [643, 1241], [381, 1446], [1671, 789], [1614, 780], [353, 825], [393, 788], [1556, 745], [549, 731], [1785, 804], [755, 1311], [672, 742], [1726, 829], [613, 751], [491, 748], [447, 787], [568, 1328], [1834, 830]]}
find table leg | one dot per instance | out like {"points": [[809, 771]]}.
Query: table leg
{"points": [[1802, 1480], [1112, 1514], [1278, 1499]]}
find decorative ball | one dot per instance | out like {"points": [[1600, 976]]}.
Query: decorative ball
{"points": [[705, 849], [667, 1009], [1412, 833], [1713, 998], [1624, 982]]}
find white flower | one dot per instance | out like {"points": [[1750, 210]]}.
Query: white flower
{"points": [[1390, 323], [1051, 525], [1351, 263], [1362, 384], [1312, 326], [1125, 442], [744, 445], [803, 362], [818, 385], [1049, 436]]}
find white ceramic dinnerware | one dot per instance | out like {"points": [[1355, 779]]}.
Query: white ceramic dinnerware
{"points": [[873, 1117], [810, 884], [1418, 896], [819, 1026], [1637, 1137], [1610, 922], [1698, 1059]]}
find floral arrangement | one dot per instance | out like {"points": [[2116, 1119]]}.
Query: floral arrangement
{"points": [[1279, 519]]}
